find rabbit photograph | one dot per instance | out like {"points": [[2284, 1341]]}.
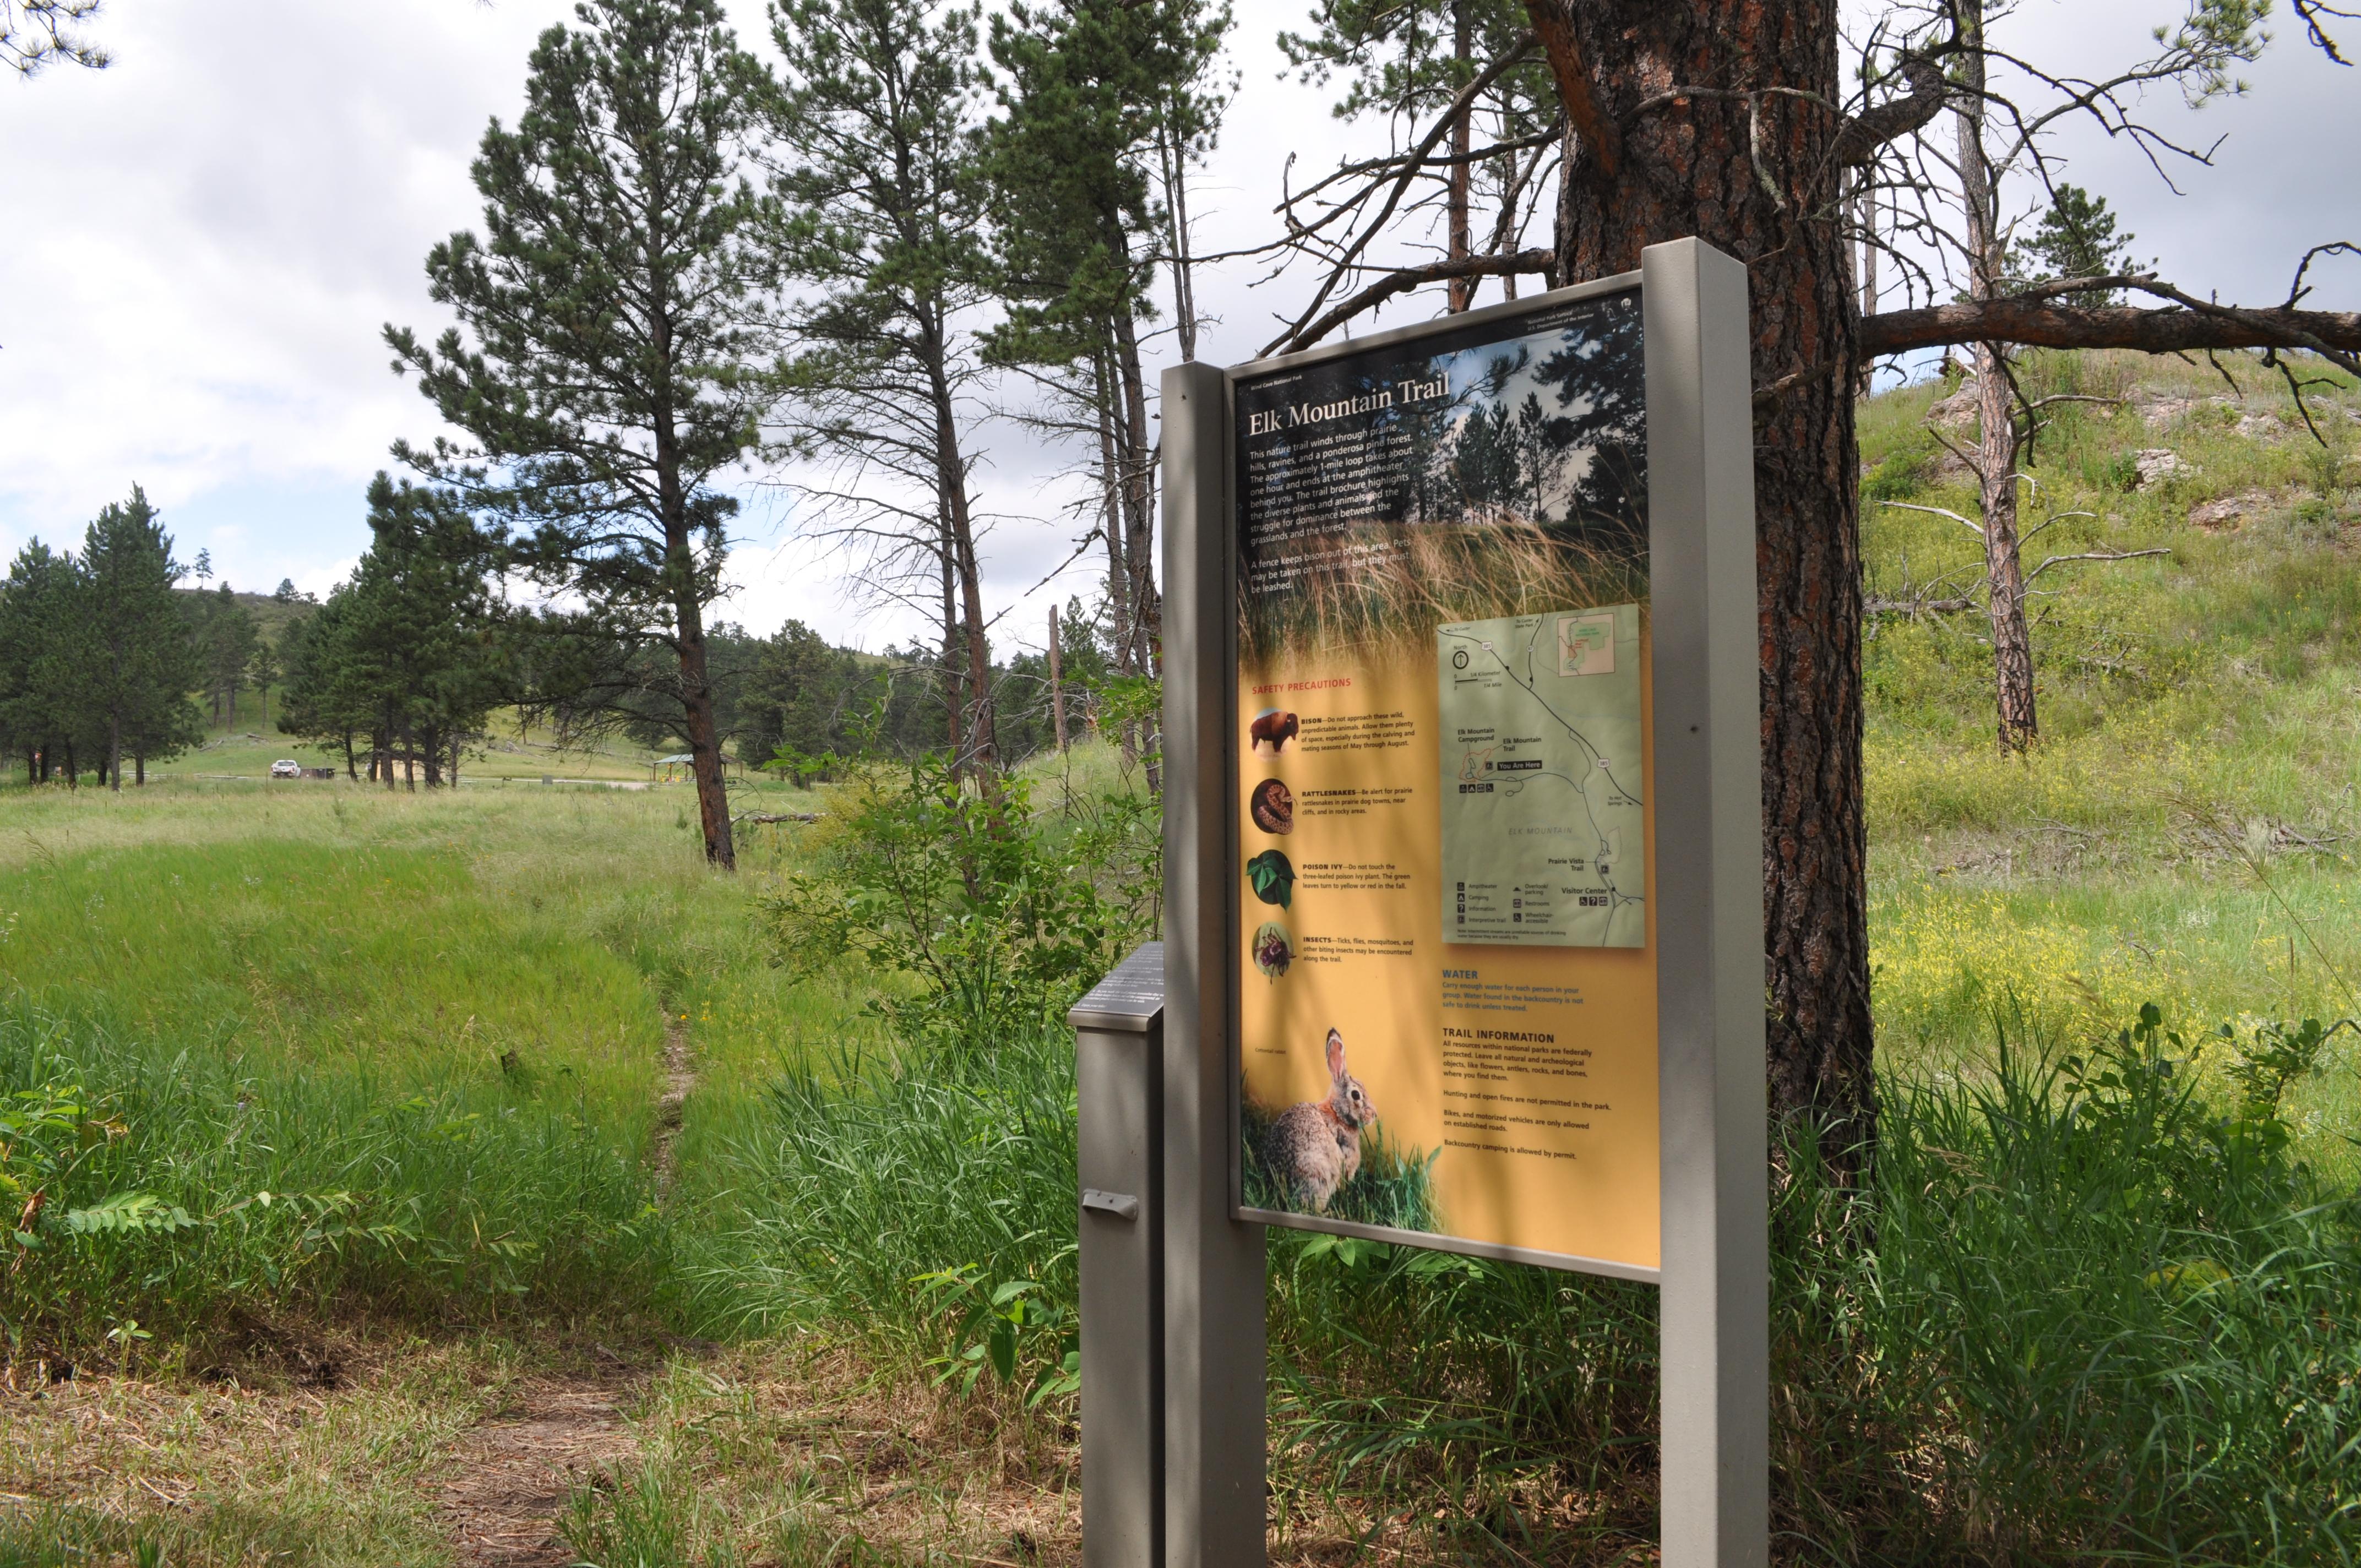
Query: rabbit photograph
{"points": [[1315, 1148], [1327, 1156]]}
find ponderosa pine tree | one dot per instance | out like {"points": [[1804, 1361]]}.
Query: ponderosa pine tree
{"points": [[1731, 123], [136, 665], [1104, 105], [38, 700], [412, 649], [613, 316], [875, 125], [2075, 238], [226, 639]]}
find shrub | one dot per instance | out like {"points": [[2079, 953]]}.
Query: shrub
{"points": [[1901, 475], [998, 917]]}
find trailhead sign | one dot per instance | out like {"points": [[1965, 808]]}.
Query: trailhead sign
{"points": [[1446, 975], [1463, 841]]}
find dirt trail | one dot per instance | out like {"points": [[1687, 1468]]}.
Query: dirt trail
{"points": [[680, 1077], [511, 1472]]}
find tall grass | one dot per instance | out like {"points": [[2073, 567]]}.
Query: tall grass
{"points": [[292, 1190], [2084, 1313], [1383, 588], [876, 1172], [2091, 1315]]}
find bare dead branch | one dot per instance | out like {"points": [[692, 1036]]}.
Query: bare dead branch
{"points": [[1862, 134], [1553, 25], [1343, 263], [1403, 279], [1975, 528], [2093, 555]]}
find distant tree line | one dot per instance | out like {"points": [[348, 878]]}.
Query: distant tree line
{"points": [[692, 261], [109, 663]]}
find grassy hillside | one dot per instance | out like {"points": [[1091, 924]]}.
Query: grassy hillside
{"points": [[2183, 833]]}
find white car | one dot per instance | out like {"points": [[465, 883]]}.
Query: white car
{"points": [[285, 768]]}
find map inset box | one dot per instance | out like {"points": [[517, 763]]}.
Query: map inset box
{"points": [[1541, 779]]}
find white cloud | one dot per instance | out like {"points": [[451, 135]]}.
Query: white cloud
{"points": [[204, 239]]}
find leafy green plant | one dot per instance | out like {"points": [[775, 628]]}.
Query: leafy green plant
{"points": [[47, 1133], [2324, 455], [2275, 1056], [1001, 916], [1017, 1328], [2114, 471], [1901, 475]]}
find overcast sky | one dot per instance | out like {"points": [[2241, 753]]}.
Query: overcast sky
{"points": [[203, 241]]}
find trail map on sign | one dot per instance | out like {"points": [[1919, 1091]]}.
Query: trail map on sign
{"points": [[1541, 836]]}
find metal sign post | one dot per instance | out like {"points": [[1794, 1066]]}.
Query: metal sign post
{"points": [[1715, 1315], [1618, 995]]}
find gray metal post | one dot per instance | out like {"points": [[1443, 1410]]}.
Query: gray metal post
{"points": [[1213, 1264], [1708, 892], [1119, 1094]]}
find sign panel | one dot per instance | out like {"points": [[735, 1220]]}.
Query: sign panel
{"points": [[1447, 972]]}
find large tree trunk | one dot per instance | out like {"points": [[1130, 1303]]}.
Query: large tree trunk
{"points": [[1686, 168], [115, 751], [1461, 230]]}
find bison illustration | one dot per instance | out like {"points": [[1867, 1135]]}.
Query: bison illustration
{"points": [[1275, 727]]}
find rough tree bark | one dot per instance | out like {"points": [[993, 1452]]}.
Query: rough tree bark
{"points": [[1462, 232], [1738, 172]]}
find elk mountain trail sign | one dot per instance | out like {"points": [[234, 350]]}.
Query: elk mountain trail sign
{"points": [[1463, 859]]}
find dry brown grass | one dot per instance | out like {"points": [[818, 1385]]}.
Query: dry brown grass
{"points": [[228, 1471], [1384, 588]]}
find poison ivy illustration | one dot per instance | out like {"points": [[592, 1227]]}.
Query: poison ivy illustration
{"points": [[1273, 878]]}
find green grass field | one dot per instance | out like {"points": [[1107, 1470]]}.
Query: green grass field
{"points": [[432, 1026], [2185, 832]]}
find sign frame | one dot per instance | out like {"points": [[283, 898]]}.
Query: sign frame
{"points": [[1459, 325], [1705, 883]]}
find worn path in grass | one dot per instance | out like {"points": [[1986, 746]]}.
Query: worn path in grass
{"points": [[513, 1471]]}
